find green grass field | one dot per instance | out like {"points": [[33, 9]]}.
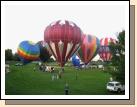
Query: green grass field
{"points": [[22, 80]]}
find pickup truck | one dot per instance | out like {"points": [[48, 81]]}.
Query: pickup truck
{"points": [[115, 86]]}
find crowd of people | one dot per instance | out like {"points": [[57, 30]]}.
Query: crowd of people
{"points": [[55, 74]]}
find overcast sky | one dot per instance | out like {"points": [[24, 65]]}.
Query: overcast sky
{"points": [[27, 22]]}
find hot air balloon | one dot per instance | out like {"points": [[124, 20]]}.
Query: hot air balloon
{"points": [[104, 51], [28, 51], [89, 48], [63, 39], [45, 53], [75, 60]]}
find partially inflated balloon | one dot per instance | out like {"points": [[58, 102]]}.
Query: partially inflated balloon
{"points": [[75, 60], [28, 51], [104, 51], [45, 53], [89, 48], [63, 39]]}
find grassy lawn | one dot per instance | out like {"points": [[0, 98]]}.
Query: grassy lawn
{"points": [[22, 80]]}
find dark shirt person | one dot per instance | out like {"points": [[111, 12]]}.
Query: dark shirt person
{"points": [[66, 89]]}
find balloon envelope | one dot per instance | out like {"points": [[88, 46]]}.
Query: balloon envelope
{"points": [[45, 53], [63, 39], [104, 50], [28, 51], [89, 48], [75, 60]]}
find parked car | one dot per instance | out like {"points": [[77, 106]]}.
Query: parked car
{"points": [[18, 64], [115, 86]]}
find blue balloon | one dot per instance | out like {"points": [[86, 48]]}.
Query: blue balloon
{"points": [[75, 61]]}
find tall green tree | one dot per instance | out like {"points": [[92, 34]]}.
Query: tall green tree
{"points": [[16, 57], [118, 59], [8, 55]]}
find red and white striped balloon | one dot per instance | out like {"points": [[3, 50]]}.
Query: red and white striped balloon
{"points": [[104, 51], [63, 38]]}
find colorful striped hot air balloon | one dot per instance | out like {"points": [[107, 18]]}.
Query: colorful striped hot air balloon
{"points": [[28, 51], [104, 51], [63, 38], [89, 48]]}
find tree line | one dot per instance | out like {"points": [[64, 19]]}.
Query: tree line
{"points": [[9, 56], [118, 59]]}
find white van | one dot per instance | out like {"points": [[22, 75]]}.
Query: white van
{"points": [[115, 86]]}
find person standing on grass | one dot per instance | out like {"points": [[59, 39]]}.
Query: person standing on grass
{"points": [[34, 69], [44, 67], [66, 89], [62, 70], [60, 74], [53, 73]]}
